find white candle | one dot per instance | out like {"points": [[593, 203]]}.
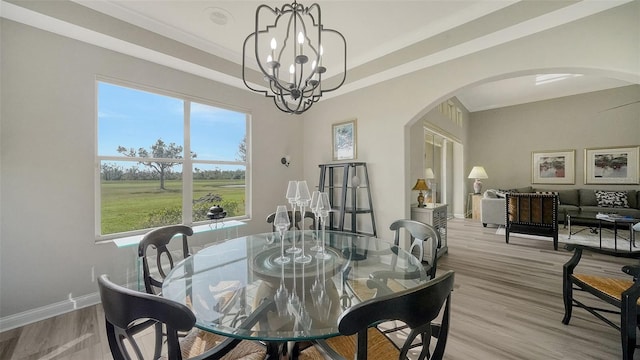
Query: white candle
{"points": [[274, 44], [300, 40]]}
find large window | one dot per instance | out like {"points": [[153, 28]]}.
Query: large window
{"points": [[166, 159]]}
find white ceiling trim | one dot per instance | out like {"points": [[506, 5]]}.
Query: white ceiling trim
{"points": [[119, 12], [114, 10], [47, 23], [429, 30], [541, 23], [526, 28]]}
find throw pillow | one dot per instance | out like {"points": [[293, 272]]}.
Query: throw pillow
{"points": [[491, 194], [612, 198]]}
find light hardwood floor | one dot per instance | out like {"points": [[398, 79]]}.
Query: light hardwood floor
{"points": [[507, 304]]}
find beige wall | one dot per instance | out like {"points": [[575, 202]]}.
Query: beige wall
{"points": [[48, 123], [602, 44], [502, 140], [48, 131]]}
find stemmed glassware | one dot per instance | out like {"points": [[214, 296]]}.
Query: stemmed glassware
{"points": [[319, 295], [315, 197], [324, 207], [303, 198], [292, 196], [281, 297], [281, 223]]}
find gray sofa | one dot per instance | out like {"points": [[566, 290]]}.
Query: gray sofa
{"points": [[493, 203]]}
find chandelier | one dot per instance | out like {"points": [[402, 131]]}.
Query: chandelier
{"points": [[288, 48]]}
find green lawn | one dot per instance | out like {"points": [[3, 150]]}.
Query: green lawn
{"points": [[129, 205]]}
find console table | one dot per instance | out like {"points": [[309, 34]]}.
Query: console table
{"points": [[436, 216]]}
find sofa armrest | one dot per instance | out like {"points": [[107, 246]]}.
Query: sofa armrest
{"points": [[493, 211]]}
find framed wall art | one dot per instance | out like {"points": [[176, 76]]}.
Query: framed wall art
{"points": [[553, 167], [615, 165], [344, 137]]}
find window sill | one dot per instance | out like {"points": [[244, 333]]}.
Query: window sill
{"points": [[135, 239]]}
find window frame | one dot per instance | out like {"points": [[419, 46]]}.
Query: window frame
{"points": [[186, 162]]}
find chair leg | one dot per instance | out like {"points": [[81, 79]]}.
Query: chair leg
{"points": [[628, 324], [567, 284], [158, 345], [567, 296]]}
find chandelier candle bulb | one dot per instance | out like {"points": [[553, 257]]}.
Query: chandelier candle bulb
{"points": [[301, 40], [274, 45]]}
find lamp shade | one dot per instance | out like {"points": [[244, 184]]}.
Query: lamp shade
{"points": [[420, 185], [478, 173], [428, 174]]}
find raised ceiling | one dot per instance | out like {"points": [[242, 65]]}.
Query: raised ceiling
{"points": [[385, 39]]}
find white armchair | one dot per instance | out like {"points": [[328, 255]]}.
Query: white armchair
{"points": [[492, 209]]}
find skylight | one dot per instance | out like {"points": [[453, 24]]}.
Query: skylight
{"points": [[548, 78]]}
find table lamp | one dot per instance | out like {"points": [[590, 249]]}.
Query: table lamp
{"points": [[420, 185], [477, 173]]}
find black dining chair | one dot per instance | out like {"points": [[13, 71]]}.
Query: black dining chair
{"points": [[386, 283], [154, 246], [418, 307], [124, 307], [419, 233]]}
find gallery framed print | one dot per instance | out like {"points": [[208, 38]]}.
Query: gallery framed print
{"points": [[344, 137], [553, 167], [614, 165]]}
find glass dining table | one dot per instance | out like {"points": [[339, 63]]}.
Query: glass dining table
{"points": [[236, 288]]}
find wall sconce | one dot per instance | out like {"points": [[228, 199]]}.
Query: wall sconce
{"points": [[286, 160]]}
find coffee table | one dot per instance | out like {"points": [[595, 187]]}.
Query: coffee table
{"points": [[590, 216], [619, 219], [595, 216]]}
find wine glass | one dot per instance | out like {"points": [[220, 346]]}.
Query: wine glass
{"points": [[281, 223], [324, 207], [303, 198], [281, 297], [292, 197], [315, 197]]}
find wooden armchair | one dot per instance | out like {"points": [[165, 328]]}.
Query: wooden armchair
{"points": [[532, 213], [619, 292]]}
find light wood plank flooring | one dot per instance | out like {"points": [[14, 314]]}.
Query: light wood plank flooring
{"points": [[507, 304]]}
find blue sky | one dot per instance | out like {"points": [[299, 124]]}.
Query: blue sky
{"points": [[133, 119]]}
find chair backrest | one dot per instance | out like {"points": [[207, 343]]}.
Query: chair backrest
{"points": [[154, 245], [417, 307], [532, 209], [307, 215], [124, 307], [419, 232]]}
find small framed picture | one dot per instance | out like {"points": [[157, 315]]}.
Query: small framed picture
{"points": [[615, 165], [344, 137], [553, 167]]}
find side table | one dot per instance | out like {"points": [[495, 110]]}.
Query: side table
{"points": [[436, 216], [476, 206]]}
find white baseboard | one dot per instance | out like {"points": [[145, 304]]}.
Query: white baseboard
{"points": [[45, 312]]}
